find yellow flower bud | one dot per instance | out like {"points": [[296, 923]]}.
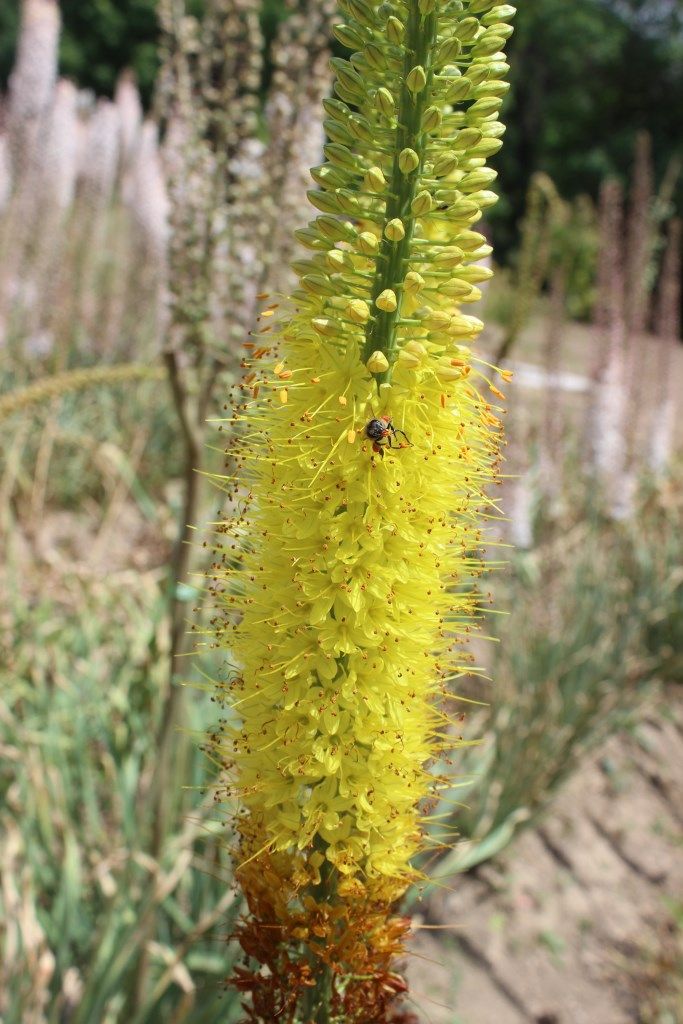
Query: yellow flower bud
{"points": [[358, 311], [458, 91], [467, 137], [465, 326], [416, 79], [421, 204], [413, 282], [407, 359], [368, 243], [416, 347], [408, 161], [394, 230], [435, 319], [449, 257], [323, 325], [377, 363], [387, 301], [375, 180]]}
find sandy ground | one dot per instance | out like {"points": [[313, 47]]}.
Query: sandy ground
{"points": [[579, 922]]}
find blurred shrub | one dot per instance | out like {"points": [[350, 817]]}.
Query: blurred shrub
{"points": [[93, 929], [594, 621]]}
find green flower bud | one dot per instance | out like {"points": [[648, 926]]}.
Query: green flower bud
{"points": [[350, 36], [395, 31], [328, 202], [467, 137], [478, 6], [416, 79], [384, 102], [484, 108], [335, 259], [324, 325], [394, 230], [484, 199], [503, 12], [334, 229], [375, 57], [458, 91], [329, 176], [493, 88], [318, 285], [477, 179], [486, 148], [431, 119], [361, 11], [487, 45], [478, 73], [347, 77], [360, 127], [421, 204], [338, 132], [448, 51], [408, 161], [466, 29], [444, 165], [374, 180], [309, 239], [341, 156]]}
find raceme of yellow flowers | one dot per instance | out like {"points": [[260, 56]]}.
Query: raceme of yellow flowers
{"points": [[362, 442]]}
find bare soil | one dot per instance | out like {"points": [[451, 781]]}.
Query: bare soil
{"points": [[581, 920]]}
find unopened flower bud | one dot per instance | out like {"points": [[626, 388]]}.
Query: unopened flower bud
{"points": [[444, 165], [377, 363], [449, 257], [384, 102], [375, 180], [387, 301], [368, 243], [335, 259], [434, 319], [416, 79], [394, 230], [358, 311], [408, 161], [417, 348], [421, 204], [413, 282], [466, 29], [395, 31], [431, 119], [407, 359], [323, 325]]}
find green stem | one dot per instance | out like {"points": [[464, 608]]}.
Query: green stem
{"points": [[421, 34]]}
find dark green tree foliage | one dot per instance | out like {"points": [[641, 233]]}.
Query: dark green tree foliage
{"points": [[586, 76]]}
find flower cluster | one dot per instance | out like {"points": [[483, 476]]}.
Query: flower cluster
{"points": [[360, 451]]}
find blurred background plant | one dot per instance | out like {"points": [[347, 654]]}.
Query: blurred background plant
{"points": [[133, 247]]}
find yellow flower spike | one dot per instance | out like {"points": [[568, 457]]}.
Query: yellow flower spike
{"points": [[387, 301], [377, 363], [342, 583]]}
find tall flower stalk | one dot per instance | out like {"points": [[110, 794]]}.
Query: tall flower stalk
{"points": [[361, 447]]}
